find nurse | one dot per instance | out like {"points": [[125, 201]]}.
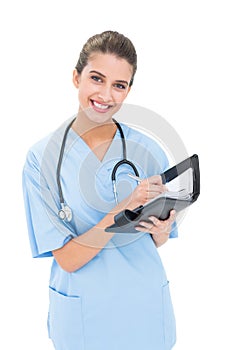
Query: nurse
{"points": [[107, 291]]}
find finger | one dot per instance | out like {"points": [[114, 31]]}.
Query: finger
{"points": [[148, 227], [170, 219], [172, 212], [157, 188], [154, 191], [158, 223], [172, 216], [164, 226], [152, 195], [141, 229], [154, 220], [145, 224], [155, 179]]}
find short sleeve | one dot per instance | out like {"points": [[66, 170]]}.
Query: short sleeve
{"points": [[46, 231]]}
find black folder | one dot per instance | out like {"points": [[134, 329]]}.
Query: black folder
{"points": [[160, 207]]}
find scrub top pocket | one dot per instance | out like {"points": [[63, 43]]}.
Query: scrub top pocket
{"points": [[169, 319], [65, 324]]}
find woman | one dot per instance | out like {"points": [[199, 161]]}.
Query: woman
{"points": [[107, 291]]}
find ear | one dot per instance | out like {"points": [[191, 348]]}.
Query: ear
{"points": [[76, 78]]}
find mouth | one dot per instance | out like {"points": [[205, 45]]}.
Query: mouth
{"points": [[100, 107]]}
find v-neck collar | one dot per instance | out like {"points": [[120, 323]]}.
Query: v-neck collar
{"points": [[108, 154]]}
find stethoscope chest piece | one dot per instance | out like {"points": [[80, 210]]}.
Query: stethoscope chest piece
{"points": [[65, 213]]}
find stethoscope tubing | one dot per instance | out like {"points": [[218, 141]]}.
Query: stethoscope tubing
{"points": [[65, 213]]}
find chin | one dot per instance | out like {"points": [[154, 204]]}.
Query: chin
{"points": [[97, 117]]}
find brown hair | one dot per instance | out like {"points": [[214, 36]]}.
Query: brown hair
{"points": [[109, 42]]}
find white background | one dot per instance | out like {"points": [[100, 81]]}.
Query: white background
{"points": [[184, 74]]}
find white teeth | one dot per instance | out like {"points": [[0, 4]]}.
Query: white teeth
{"points": [[98, 105]]}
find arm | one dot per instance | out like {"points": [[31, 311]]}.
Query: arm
{"points": [[80, 250]]}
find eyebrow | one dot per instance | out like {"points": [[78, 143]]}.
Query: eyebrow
{"points": [[102, 75]]}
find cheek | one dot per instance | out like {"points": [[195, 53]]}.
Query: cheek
{"points": [[86, 89], [119, 97], [84, 93], [117, 107]]}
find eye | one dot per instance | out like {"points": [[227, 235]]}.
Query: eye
{"points": [[96, 78], [120, 86]]}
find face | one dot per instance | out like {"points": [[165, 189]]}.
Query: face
{"points": [[103, 86]]}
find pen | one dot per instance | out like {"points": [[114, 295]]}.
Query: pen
{"points": [[138, 179]]}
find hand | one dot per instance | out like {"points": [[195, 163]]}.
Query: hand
{"points": [[159, 229], [147, 190]]}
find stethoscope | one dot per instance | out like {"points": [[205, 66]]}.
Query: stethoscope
{"points": [[65, 213]]}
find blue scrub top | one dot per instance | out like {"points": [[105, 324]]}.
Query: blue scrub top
{"points": [[119, 300]]}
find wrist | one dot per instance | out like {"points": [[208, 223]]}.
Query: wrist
{"points": [[131, 202]]}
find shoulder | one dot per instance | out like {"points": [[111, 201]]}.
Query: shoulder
{"points": [[48, 146], [144, 138], [139, 134], [36, 151]]}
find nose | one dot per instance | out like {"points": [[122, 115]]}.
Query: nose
{"points": [[105, 93]]}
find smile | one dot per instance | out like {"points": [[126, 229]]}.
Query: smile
{"points": [[100, 106]]}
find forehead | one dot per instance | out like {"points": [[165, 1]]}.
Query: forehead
{"points": [[109, 65]]}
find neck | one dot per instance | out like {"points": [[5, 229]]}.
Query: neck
{"points": [[91, 131]]}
